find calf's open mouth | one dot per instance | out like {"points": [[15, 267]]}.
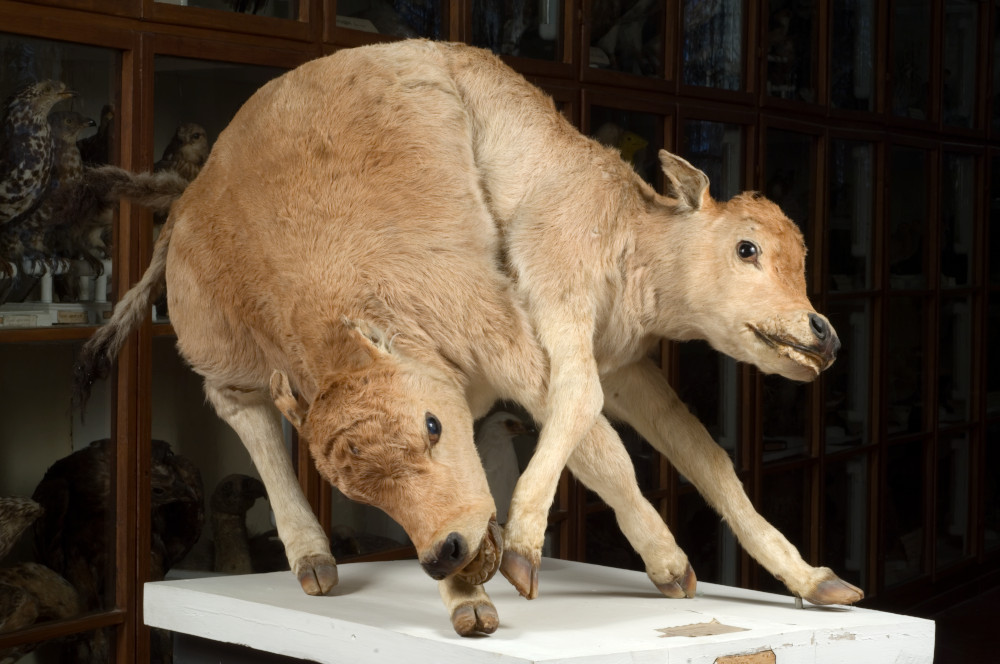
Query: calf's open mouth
{"points": [[811, 356], [487, 561]]}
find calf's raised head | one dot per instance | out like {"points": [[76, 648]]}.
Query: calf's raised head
{"points": [[743, 277], [393, 432]]}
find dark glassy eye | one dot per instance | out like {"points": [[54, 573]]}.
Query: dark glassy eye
{"points": [[433, 428], [747, 251]]}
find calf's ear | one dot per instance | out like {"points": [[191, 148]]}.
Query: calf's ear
{"points": [[684, 182], [290, 406], [372, 338]]}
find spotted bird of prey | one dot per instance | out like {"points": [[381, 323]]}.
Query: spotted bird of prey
{"points": [[26, 147], [186, 153]]}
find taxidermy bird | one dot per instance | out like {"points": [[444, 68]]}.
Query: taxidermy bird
{"points": [[625, 141], [495, 442], [75, 537], [186, 153], [96, 150], [26, 147], [29, 592]]}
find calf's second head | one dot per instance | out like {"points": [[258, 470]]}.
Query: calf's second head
{"points": [[743, 279], [393, 432]]}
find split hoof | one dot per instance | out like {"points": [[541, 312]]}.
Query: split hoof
{"points": [[521, 572], [682, 587], [475, 618], [317, 573], [835, 591]]}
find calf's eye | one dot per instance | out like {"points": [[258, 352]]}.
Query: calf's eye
{"points": [[747, 251], [433, 428]]}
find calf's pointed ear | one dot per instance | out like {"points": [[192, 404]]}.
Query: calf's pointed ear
{"points": [[684, 182], [290, 406]]}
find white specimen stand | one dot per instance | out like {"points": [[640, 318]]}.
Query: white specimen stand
{"points": [[585, 614]]}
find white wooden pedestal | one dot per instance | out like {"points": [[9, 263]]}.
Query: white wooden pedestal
{"points": [[585, 614]]}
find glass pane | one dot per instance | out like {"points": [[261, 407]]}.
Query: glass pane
{"points": [[713, 43], [785, 412], [911, 22], [991, 493], [606, 545], [961, 39], [996, 68], [524, 29], [57, 473], [994, 231], [628, 36], [55, 271], [709, 544], [955, 361], [852, 196], [847, 381], [788, 172], [792, 34], [953, 481], [957, 217], [908, 219], [506, 439], [399, 18], [845, 511], [717, 149], [993, 357], [904, 519], [709, 385], [637, 136], [785, 504], [275, 8], [852, 67], [905, 384]]}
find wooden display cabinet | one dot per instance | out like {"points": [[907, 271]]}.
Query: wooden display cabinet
{"points": [[874, 124]]}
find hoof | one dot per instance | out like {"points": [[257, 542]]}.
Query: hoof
{"points": [[475, 618], [521, 572], [835, 591], [316, 573], [681, 588]]}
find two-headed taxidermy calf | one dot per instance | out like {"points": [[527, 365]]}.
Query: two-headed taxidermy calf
{"points": [[386, 240]]}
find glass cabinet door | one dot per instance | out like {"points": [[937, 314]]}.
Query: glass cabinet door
{"points": [[907, 356], [847, 383], [274, 8], [523, 29], [396, 18], [851, 215], [908, 218], [954, 479], [846, 505], [903, 524], [910, 56], [54, 270], [638, 136], [958, 79], [627, 36], [792, 35], [958, 210], [852, 55], [712, 54]]}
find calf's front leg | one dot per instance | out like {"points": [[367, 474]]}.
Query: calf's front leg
{"points": [[254, 418], [640, 395], [469, 606]]}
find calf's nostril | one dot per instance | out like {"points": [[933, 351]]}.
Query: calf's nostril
{"points": [[453, 549], [819, 327]]}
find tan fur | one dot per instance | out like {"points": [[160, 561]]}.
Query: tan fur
{"points": [[406, 229]]}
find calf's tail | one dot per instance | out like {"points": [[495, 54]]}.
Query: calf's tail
{"points": [[99, 189]]}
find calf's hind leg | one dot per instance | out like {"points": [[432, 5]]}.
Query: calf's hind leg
{"points": [[254, 418], [640, 395]]}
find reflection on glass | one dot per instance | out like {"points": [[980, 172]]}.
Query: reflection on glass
{"points": [[627, 36], [908, 220], [905, 382], [706, 539], [525, 29], [717, 149], [852, 82], [952, 542], [791, 38], [788, 172], [638, 136], [961, 39], [708, 384], [904, 519], [845, 510], [993, 257], [398, 18], [274, 8], [713, 43], [955, 361], [785, 504], [957, 214], [911, 21], [60, 101], [993, 358], [784, 410], [56, 495], [991, 491], [847, 381], [852, 186]]}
